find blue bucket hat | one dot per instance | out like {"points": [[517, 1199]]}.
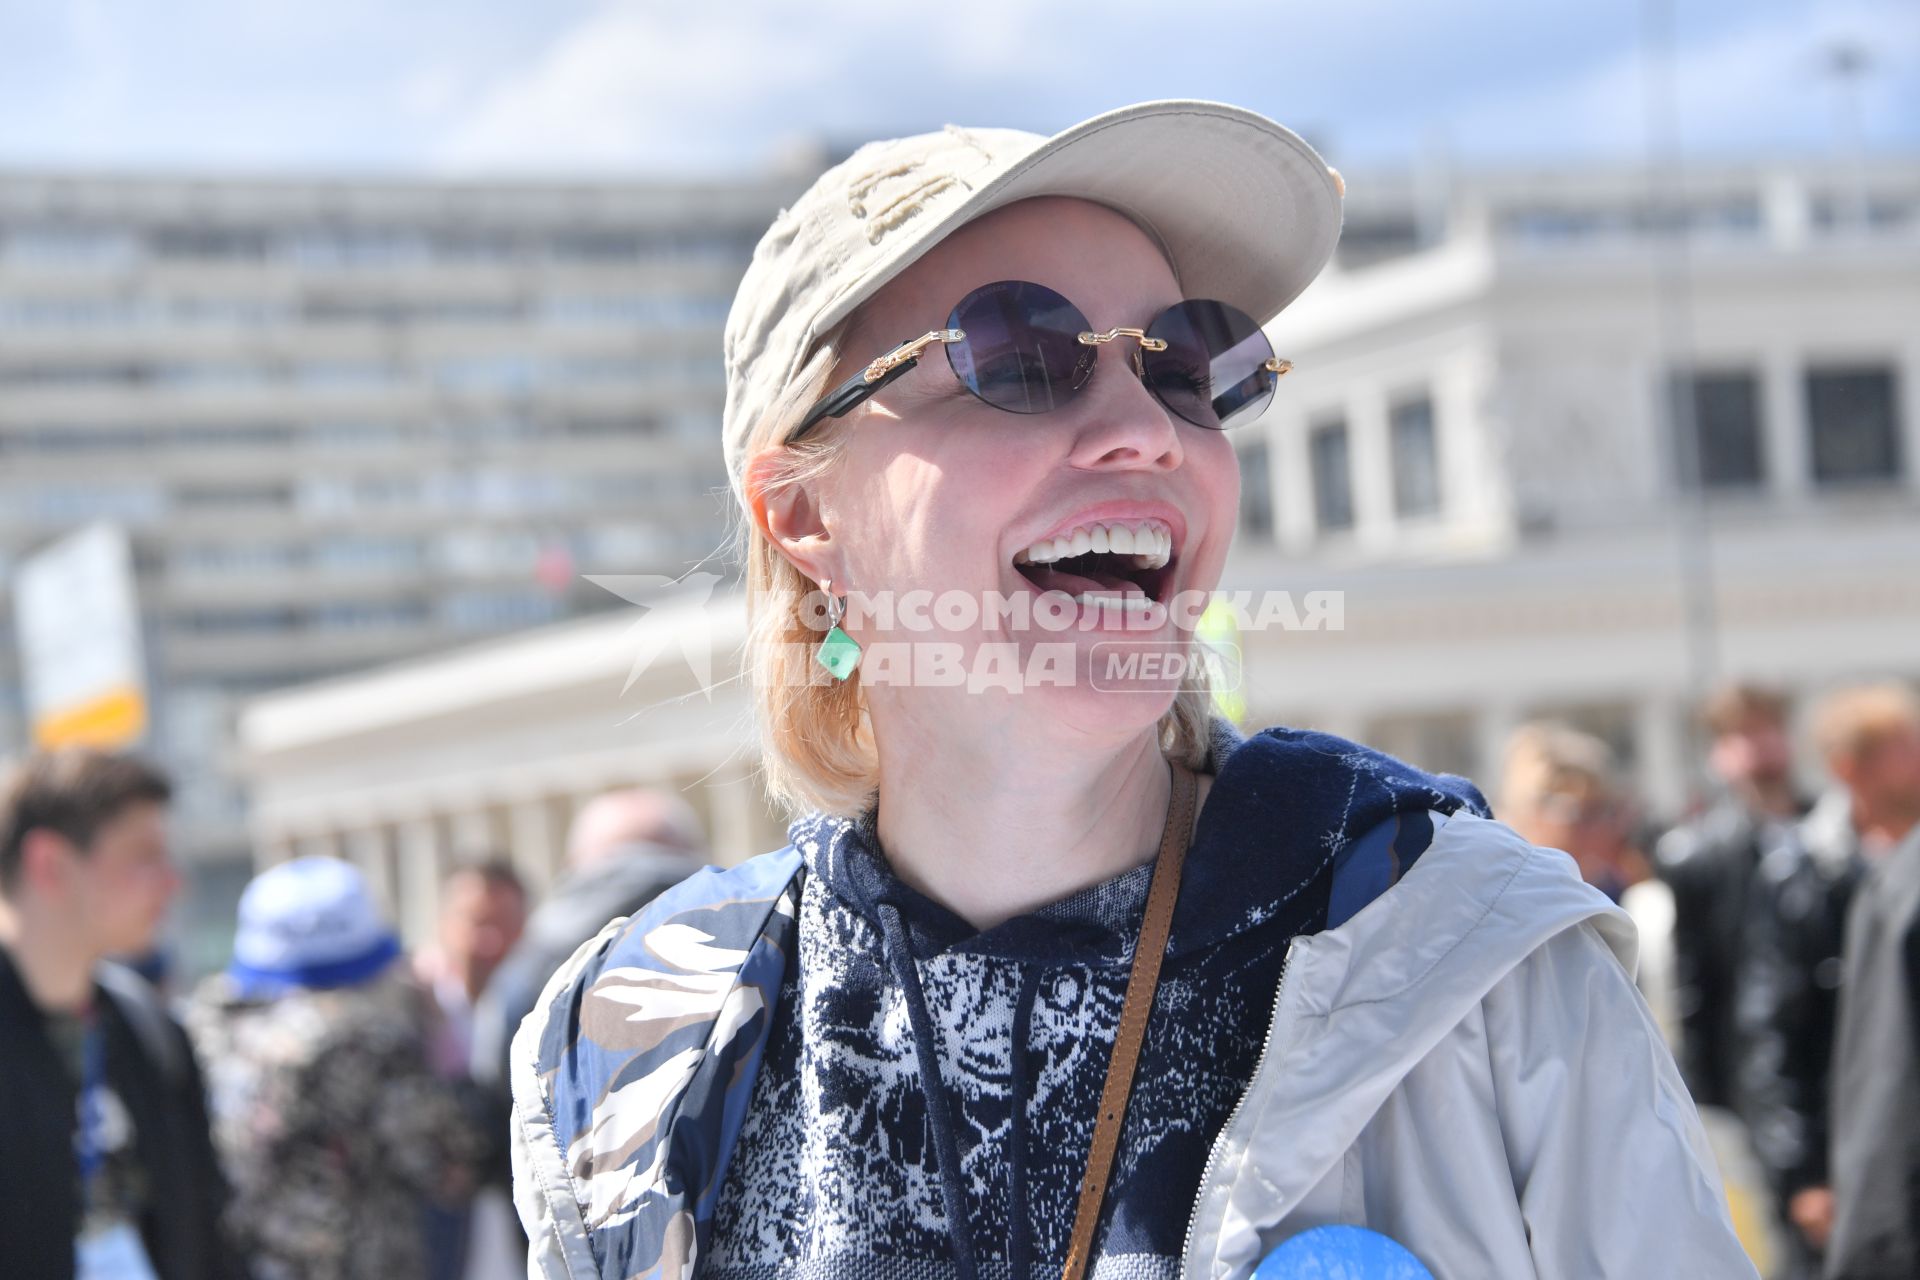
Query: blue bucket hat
{"points": [[309, 924]]}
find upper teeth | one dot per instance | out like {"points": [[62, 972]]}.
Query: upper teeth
{"points": [[1150, 543]]}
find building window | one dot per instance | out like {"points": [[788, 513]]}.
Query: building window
{"points": [[241, 496], [1850, 413], [71, 245], [80, 501], [495, 610], [1416, 459], [1256, 492], [357, 553], [367, 615], [1723, 412], [241, 620], [1332, 476]]}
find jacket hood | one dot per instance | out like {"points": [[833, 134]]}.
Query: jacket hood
{"points": [[1400, 975], [1285, 803], [582, 903]]}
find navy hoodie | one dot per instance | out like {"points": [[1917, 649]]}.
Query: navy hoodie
{"points": [[853, 1161]]}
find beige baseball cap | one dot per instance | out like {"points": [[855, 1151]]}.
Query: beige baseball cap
{"points": [[1244, 210]]}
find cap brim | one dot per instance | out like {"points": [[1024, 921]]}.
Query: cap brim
{"points": [[1244, 209]]}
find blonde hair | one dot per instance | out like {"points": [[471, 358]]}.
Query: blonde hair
{"points": [[816, 741], [1852, 722], [1732, 707], [1546, 760]]}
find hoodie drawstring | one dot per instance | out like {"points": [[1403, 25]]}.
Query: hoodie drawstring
{"points": [[1020, 1247], [1150, 947], [926, 1050]]}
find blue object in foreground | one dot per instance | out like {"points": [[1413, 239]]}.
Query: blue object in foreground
{"points": [[1340, 1253]]}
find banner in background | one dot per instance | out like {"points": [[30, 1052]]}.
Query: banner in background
{"points": [[79, 633]]}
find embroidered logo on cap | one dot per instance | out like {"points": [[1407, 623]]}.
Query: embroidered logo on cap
{"points": [[890, 195]]}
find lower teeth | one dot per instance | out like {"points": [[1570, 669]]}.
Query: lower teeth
{"points": [[1130, 603]]}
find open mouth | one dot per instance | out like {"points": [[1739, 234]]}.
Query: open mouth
{"points": [[1124, 563]]}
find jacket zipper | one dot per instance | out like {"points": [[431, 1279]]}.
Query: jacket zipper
{"points": [[1220, 1139]]}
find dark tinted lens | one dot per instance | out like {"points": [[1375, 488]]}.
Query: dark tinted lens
{"points": [[1022, 351], [1213, 372]]}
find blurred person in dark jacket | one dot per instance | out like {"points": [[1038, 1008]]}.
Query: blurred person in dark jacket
{"points": [[333, 1126], [1709, 865], [1788, 990], [1875, 1152], [483, 911], [106, 1167]]}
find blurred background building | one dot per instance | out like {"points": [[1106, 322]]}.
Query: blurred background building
{"points": [[345, 423], [1478, 448], [1578, 443]]}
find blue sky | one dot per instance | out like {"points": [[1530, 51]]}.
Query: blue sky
{"points": [[609, 87]]}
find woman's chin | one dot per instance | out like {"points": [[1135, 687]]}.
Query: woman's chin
{"points": [[1122, 709]]}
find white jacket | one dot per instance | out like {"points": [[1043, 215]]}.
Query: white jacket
{"points": [[1466, 1067]]}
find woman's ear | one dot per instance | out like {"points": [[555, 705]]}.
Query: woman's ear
{"points": [[788, 515]]}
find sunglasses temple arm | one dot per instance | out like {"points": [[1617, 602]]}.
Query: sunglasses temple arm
{"points": [[848, 396]]}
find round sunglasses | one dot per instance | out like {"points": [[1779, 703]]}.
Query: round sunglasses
{"points": [[1021, 347]]}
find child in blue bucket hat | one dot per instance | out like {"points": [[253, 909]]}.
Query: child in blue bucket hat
{"points": [[333, 1130]]}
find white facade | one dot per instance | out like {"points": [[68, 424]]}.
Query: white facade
{"points": [[1550, 577], [413, 767]]}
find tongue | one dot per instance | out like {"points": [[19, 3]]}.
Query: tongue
{"points": [[1089, 577]]}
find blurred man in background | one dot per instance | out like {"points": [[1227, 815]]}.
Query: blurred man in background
{"points": [[334, 1128], [1875, 1152], [1709, 864], [623, 849], [105, 1163], [1789, 988], [483, 911]]}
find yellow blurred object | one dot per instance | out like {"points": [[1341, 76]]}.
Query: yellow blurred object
{"points": [[1219, 632], [1748, 1201], [115, 718]]}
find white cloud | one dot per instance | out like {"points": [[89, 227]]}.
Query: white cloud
{"points": [[642, 85], [435, 91]]}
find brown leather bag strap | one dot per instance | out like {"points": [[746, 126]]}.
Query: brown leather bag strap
{"points": [[1148, 951]]}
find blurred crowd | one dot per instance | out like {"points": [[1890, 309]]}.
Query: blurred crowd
{"points": [[331, 1106], [1779, 952], [328, 1107]]}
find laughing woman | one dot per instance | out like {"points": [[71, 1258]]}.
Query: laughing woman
{"points": [[1058, 974]]}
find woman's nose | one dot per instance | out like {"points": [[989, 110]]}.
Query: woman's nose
{"points": [[1122, 423]]}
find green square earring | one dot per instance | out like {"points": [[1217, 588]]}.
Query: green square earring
{"points": [[839, 653]]}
